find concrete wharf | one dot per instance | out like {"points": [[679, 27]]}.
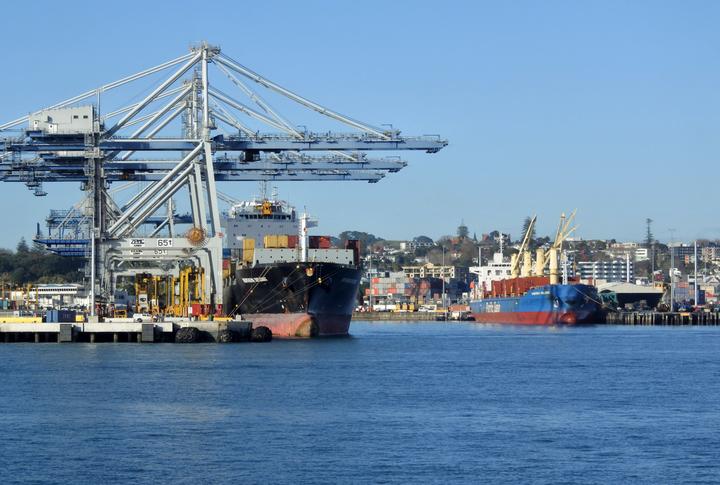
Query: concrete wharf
{"points": [[663, 318], [155, 332], [395, 316]]}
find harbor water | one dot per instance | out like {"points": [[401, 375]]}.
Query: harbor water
{"points": [[395, 403]]}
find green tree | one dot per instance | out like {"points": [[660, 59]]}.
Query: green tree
{"points": [[22, 246], [366, 239], [649, 237], [525, 226], [25, 266], [468, 253], [423, 240]]}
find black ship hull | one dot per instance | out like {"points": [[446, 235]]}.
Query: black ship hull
{"points": [[296, 300]]}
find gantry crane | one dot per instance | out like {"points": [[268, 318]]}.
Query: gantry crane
{"points": [[171, 140]]}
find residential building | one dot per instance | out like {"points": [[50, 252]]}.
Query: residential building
{"points": [[709, 254], [416, 244], [628, 249], [684, 252], [610, 271], [430, 270]]}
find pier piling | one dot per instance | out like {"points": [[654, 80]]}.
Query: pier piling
{"points": [[663, 318], [125, 331]]}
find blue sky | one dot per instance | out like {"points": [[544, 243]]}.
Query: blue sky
{"points": [[608, 107]]}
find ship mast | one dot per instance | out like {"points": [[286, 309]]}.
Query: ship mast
{"points": [[303, 237]]}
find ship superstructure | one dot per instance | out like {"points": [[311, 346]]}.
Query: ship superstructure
{"points": [[497, 269], [257, 217]]}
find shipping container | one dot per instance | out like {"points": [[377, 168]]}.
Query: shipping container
{"points": [[292, 241], [282, 241], [248, 253], [60, 316], [271, 241]]}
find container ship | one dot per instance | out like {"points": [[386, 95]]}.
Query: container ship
{"points": [[295, 284], [518, 292]]}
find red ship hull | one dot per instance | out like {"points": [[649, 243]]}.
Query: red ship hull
{"points": [[529, 318], [302, 325]]}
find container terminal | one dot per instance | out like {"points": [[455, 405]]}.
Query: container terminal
{"points": [[195, 266], [206, 121]]}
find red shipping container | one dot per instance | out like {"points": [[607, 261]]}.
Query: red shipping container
{"points": [[324, 242], [292, 241], [517, 286]]}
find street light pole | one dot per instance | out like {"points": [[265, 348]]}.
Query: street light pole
{"points": [[672, 270], [443, 277], [372, 306], [697, 293]]}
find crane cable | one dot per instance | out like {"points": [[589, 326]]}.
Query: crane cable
{"points": [[303, 289]]}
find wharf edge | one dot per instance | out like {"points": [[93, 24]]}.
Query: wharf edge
{"points": [[664, 318], [207, 331]]}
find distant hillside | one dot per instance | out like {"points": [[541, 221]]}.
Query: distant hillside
{"points": [[26, 265]]}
